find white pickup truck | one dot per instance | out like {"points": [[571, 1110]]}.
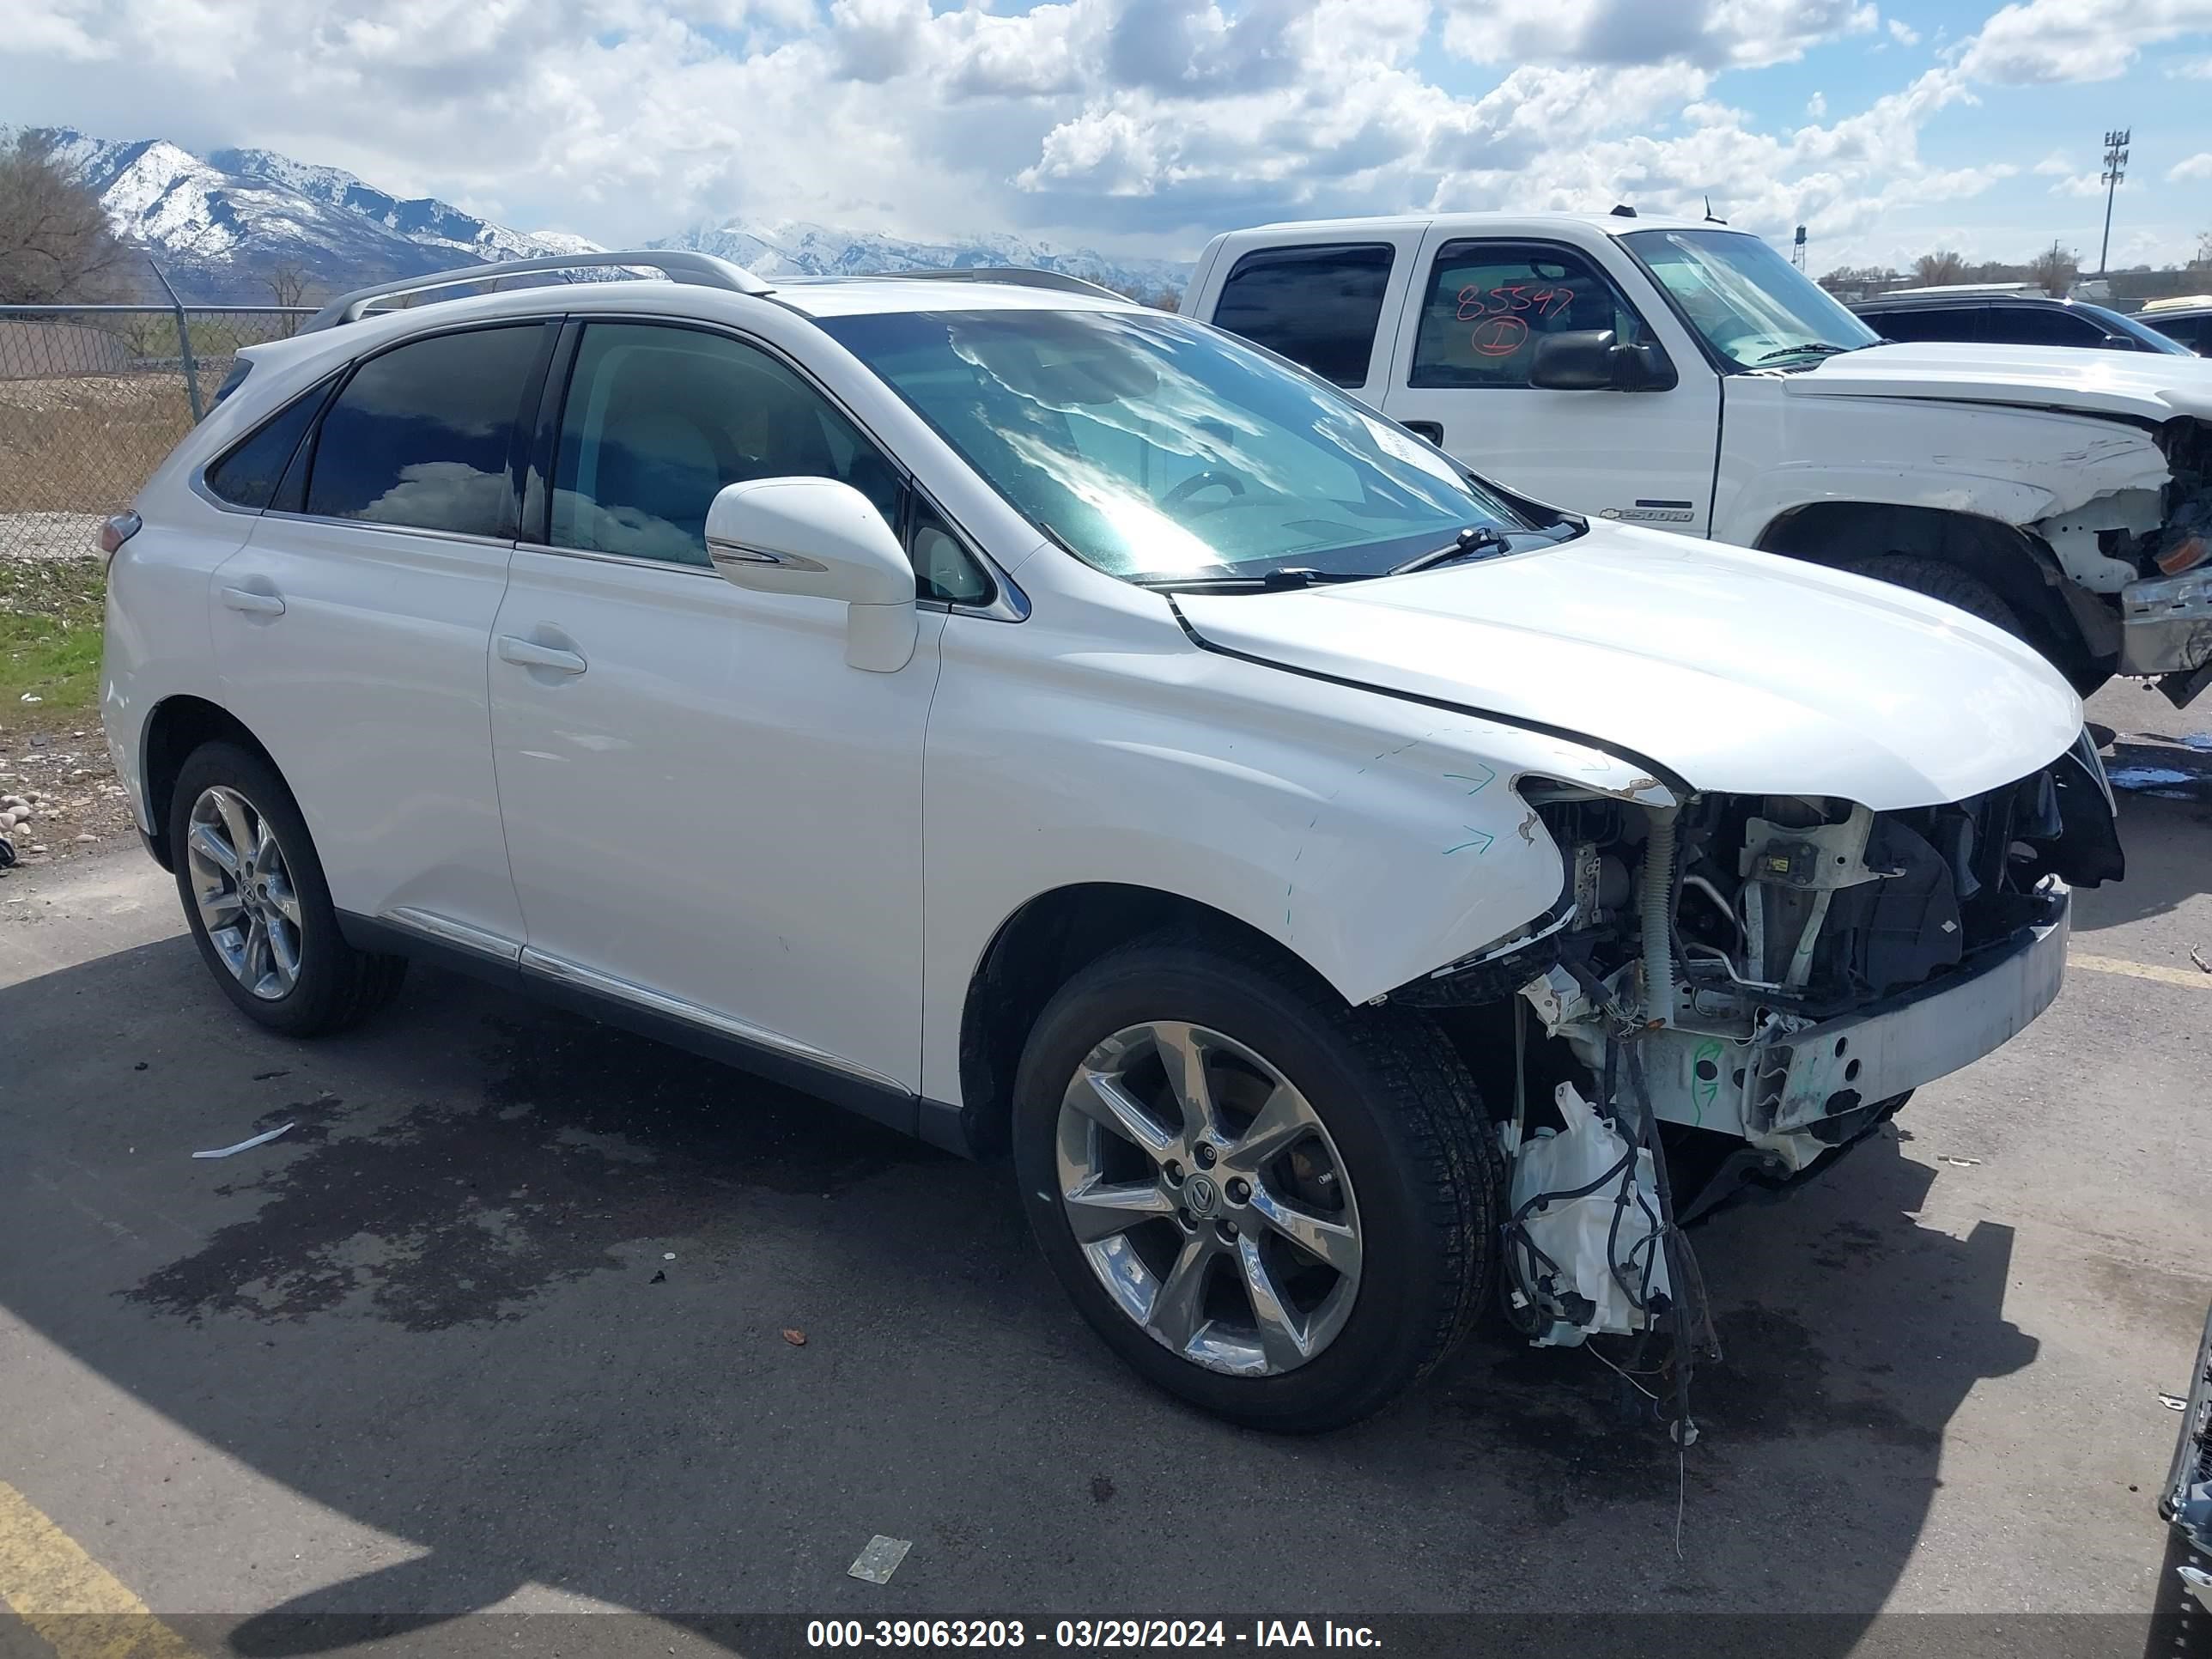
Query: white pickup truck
{"points": [[1687, 377]]}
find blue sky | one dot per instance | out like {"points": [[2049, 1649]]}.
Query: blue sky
{"points": [[1146, 125]]}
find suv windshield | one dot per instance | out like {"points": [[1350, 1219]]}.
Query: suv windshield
{"points": [[1154, 449], [1753, 306]]}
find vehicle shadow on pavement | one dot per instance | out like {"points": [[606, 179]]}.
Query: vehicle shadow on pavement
{"points": [[2165, 835], [520, 1292]]}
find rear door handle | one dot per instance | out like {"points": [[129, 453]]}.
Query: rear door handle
{"points": [[253, 604], [528, 654], [1432, 430]]}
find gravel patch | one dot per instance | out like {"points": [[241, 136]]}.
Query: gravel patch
{"points": [[48, 535]]}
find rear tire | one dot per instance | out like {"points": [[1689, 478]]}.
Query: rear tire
{"points": [[257, 905], [1362, 1248]]}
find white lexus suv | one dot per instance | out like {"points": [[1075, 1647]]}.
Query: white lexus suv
{"points": [[1359, 898]]}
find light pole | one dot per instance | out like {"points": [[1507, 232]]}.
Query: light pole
{"points": [[2116, 168]]}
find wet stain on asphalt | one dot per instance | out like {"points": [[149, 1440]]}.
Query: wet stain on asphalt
{"points": [[1848, 1245], [462, 1210], [1580, 1435]]}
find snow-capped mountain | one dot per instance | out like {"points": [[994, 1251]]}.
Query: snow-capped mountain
{"points": [[796, 248], [223, 223]]}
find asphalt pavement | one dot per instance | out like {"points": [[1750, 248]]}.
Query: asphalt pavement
{"points": [[505, 1323]]}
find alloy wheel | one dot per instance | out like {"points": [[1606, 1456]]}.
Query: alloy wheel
{"points": [[243, 889], [1206, 1196]]}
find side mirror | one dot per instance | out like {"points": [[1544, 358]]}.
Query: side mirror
{"points": [[819, 537], [1594, 360]]}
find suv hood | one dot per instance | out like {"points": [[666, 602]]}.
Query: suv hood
{"points": [[1738, 672], [2142, 385]]}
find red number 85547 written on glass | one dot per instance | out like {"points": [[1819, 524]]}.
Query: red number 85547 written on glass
{"points": [[1501, 327]]}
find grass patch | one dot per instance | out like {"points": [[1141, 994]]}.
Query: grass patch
{"points": [[50, 618]]}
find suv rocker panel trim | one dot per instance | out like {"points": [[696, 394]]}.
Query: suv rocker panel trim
{"points": [[668, 1019], [541, 963], [461, 934]]}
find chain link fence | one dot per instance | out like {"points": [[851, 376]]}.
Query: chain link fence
{"points": [[92, 398]]}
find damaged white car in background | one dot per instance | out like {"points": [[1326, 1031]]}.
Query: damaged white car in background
{"points": [[1687, 377]]}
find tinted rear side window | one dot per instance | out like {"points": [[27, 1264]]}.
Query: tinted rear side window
{"points": [[1316, 306], [248, 475], [1936, 322], [422, 435]]}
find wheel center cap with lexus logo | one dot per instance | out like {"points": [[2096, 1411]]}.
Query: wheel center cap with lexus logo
{"points": [[1200, 1195]]}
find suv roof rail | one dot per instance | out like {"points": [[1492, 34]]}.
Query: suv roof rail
{"points": [[1019, 276], [678, 264]]}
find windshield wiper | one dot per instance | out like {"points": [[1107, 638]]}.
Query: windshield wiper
{"points": [[1266, 581], [1474, 539], [1809, 348]]}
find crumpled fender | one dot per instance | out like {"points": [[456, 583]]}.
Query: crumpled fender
{"points": [[1375, 838], [2016, 466]]}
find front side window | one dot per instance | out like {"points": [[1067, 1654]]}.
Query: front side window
{"points": [[2118, 323], [421, 434], [660, 419], [1752, 307], [1154, 447], [1316, 306], [2190, 333], [1489, 303], [2041, 326]]}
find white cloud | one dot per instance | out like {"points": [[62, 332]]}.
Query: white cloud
{"points": [[1902, 34], [2080, 183], [1148, 123], [1713, 34], [2197, 166], [2054, 165], [2049, 41]]}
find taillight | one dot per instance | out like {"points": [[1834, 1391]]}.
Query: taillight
{"points": [[116, 531]]}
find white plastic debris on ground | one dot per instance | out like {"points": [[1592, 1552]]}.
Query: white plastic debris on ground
{"points": [[879, 1559], [1575, 1232]]}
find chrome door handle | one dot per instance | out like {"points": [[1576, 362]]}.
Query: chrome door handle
{"points": [[528, 654], [253, 604]]}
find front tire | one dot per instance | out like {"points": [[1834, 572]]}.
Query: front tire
{"points": [[1946, 582], [1278, 1208], [257, 905]]}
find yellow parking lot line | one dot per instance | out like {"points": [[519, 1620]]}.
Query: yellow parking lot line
{"points": [[83, 1610], [2195, 978]]}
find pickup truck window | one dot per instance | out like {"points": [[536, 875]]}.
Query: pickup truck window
{"points": [[1489, 303], [1753, 308], [1149, 447], [1316, 306]]}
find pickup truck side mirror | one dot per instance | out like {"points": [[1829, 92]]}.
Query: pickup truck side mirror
{"points": [[819, 536], [1594, 360]]}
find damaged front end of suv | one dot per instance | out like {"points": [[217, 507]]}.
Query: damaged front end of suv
{"points": [[1734, 987]]}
